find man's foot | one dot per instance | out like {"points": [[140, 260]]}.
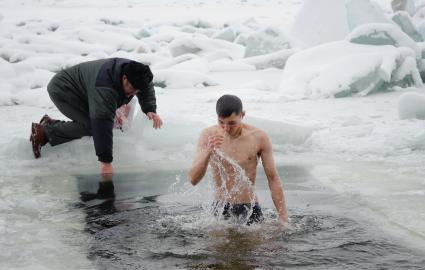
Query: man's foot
{"points": [[46, 120], [38, 138]]}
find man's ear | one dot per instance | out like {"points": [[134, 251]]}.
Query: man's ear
{"points": [[242, 114]]}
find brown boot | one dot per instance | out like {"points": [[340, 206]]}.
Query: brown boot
{"points": [[38, 138], [46, 120]]}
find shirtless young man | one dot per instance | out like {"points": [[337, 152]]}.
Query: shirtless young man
{"points": [[232, 148]]}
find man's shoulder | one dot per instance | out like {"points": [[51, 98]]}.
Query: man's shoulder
{"points": [[255, 131]]}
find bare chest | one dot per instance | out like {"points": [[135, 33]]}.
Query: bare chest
{"points": [[244, 150]]}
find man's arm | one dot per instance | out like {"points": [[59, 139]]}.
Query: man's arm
{"points": [[147, 99], [273, 178], [205, 148], [102, 106]]}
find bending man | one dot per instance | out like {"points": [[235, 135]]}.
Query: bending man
{"points": [[89, 94]]}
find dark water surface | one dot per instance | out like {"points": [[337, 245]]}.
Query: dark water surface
{"points": [[131, 227]]}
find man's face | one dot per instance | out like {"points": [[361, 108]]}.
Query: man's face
{"points": [[231, 124], [129, 90]]}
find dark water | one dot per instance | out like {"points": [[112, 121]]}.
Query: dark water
{"points": [[131, 227]]}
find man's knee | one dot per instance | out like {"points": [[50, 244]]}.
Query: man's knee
{"points": [[54, 88]]}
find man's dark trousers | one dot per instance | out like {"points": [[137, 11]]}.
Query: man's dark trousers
{"points": [[62, 93]]}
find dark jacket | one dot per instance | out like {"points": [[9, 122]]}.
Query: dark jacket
{"points": [[98, 85]]}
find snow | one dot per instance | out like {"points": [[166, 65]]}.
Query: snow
{"points": [[404, 5], [6, 94], [411, 106], [418, 19], [227, 65], [316, 72], [272, 60], [368, 144], [383, 34], [181, 79], [265, 41], [404, 21], [364, 11], [284, 133], [320, 21], [228, 34], [202, 46]]}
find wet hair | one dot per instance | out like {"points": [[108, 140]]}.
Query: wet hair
{"points": [[138, 74], [228, 104]]}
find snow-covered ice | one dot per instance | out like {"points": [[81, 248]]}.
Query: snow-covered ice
{"points": [[342, 68], [411, 105]]}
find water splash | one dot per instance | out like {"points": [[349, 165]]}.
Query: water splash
{"points": [[230, 182]]}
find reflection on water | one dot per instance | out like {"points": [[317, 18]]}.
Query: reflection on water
{"points": [[132, 228]]}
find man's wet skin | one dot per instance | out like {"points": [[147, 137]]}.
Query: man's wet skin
{"points": [[236, 161]]}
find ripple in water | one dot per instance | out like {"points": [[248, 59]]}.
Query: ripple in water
{"points": [[131, 232], [167, 237]]}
